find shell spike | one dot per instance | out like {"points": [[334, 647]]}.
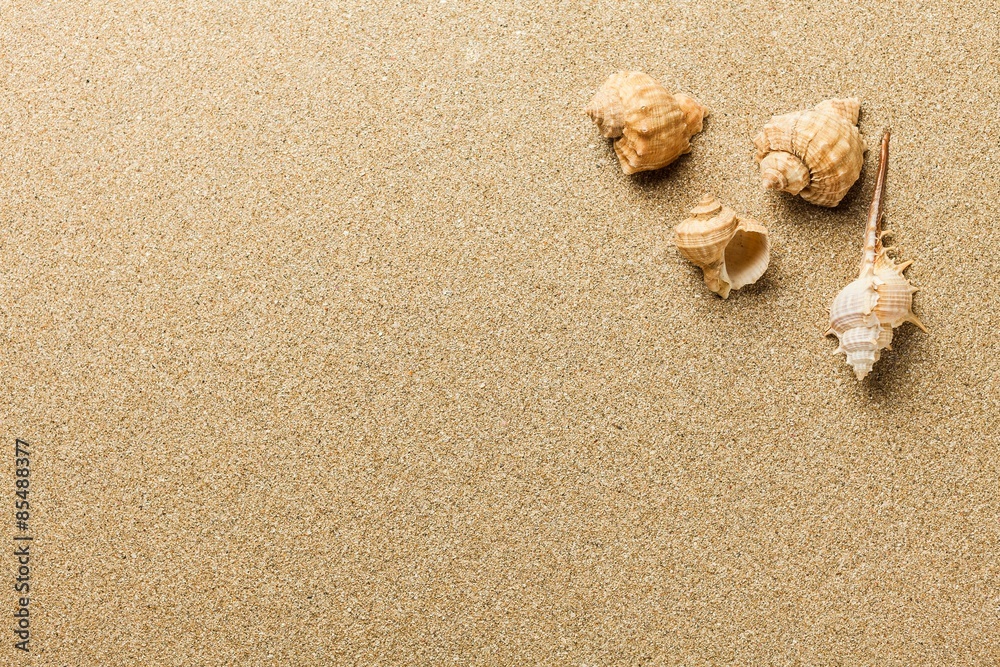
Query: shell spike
{"points": [[875, 211], [915, 320]]}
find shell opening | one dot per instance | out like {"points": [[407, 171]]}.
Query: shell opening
{"points": [[747, 254]]}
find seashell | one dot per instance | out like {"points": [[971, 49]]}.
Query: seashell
{"points": [[816, 153], [880, 299], [732, 251], [652, 128]]}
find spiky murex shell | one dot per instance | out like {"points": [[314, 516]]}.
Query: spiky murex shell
{"points": [[865, 312]]}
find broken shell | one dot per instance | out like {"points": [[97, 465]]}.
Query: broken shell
{"points": [[816, 153], [732, 251], [652, 128], [865, 312]]}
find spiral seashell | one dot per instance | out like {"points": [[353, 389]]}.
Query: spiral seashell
{"points": [[652, 128], [880, 299], [731, 251], [816, 153]]}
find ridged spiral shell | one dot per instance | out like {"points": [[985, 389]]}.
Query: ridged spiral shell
{"points": [[731, 251], [880, 299], [816, 153], [651, 127]]}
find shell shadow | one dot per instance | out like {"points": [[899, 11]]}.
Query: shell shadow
{"points": [[649, 181], [856, 196], [893, 365], [813, 217], [652, 180], [764, 286], [848, 216]]}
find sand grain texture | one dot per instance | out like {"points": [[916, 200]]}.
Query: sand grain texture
{"points": [[341, 339]]}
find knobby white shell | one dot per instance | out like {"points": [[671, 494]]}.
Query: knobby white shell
{"points": [[731, 251], [816, 153], [652, 128], [880, 299]]}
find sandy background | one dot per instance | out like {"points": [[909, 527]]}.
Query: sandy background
{"points": [[341, 339]]}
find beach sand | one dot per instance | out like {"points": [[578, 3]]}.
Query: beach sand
{"points": [[340, 338]]}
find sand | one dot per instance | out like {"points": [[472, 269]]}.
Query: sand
{"points": [[341, 339]]}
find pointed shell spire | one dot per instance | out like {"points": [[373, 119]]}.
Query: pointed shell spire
{"points": [[652, 128], [731, 251], [816, 153], [865, 312]]}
